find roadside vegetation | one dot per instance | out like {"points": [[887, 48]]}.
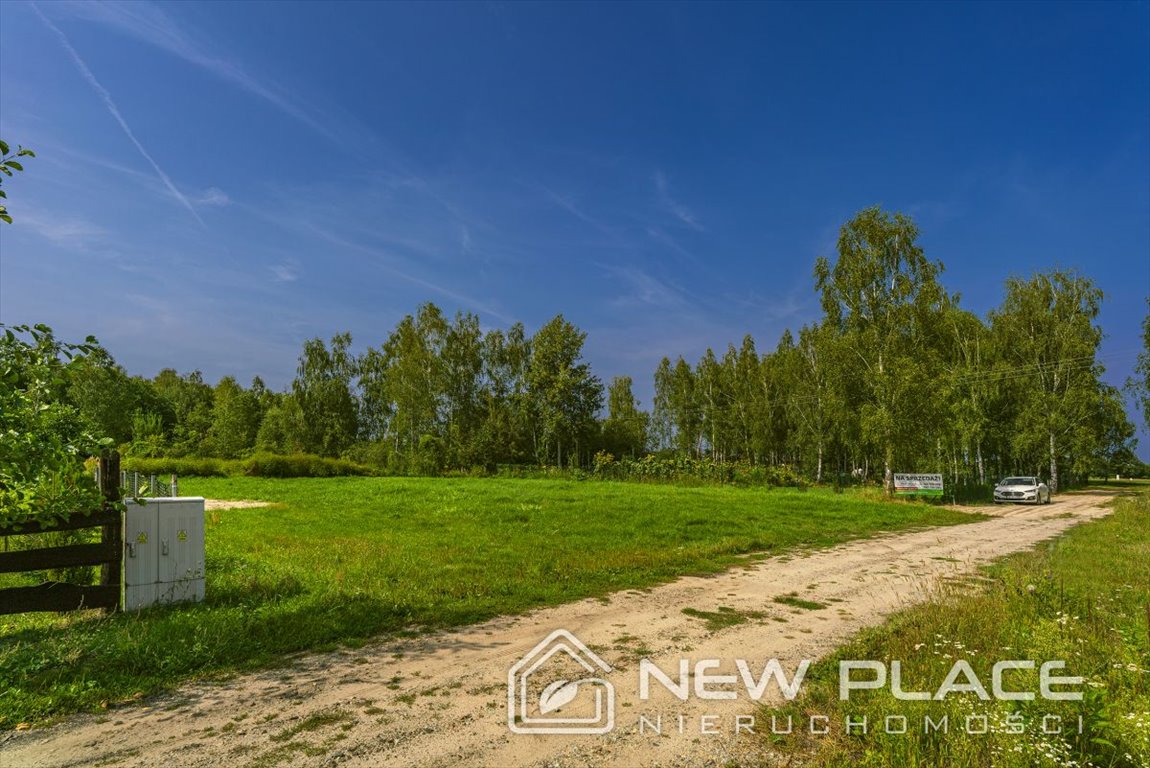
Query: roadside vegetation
{"points": [[338, 561], [257, 465], [1083, 598]]}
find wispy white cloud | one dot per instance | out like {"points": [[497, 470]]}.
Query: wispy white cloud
{"points": [[285, 273], [214, 197], [677, 209], [383, 260], [796, 305], [102, 92], [150, 314], [644, 289], [569, 205], [661, 237], [71, 232], [404, 218]]}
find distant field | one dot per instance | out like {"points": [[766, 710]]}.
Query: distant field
{"points": [[339, 560]]}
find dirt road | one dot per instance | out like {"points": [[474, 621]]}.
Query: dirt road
{"points": [[442, 700]]}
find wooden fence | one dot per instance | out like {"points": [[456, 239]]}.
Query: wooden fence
{"points": [[107, 553]]}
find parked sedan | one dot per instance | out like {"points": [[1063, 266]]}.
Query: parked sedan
{"points": [[1022, 489]]}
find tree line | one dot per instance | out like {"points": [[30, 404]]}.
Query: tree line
{"points": [[438, 394], [895, 376]]}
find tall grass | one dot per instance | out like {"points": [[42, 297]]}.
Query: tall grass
{"points": [[341, 560], [1083, 599], [257, 465]]}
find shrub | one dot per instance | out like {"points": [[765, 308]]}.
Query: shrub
{"points": [[300, 465], [429, 459], [44, 439], [200, 467], [259, 465]]}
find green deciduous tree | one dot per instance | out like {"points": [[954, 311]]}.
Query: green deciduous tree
{"points": [[114, 403], [563, 395], [189, 400], [970, 386], [461, 384], [405, 380], [236, 416], [677, 407], [43, 439], [1139, 383], [625, 428], [1047, 335], [323, 390], [503, 434], [881, 295], [282, 428], [1109, 439], [711, 396], [815, 404]]}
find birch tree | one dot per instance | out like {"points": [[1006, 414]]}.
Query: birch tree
{"points": [[1048, 336], [625, 428], [564, 395], [878, 295]]}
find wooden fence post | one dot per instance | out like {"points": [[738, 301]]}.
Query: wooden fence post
{"points": [[112, 535]]}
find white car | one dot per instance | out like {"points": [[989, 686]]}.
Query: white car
{"points": [[1022, 489]]}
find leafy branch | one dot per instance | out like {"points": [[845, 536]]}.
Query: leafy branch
{"points": [[8, 165]]}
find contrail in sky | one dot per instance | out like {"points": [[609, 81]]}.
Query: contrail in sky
{"points": [[111, 105]]}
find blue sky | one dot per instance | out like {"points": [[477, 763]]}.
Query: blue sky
{"points": [[217, 182]]}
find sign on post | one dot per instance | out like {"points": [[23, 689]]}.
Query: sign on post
{"points": [[918, 485]]}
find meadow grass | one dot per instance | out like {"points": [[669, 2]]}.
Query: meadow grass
{"points": [[341, 560], [1083, 598]]}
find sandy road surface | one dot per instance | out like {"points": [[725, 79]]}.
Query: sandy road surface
{"points": [[211, 504], [441, 700]]}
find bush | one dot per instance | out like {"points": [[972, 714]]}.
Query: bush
{"points": [[199, 467], [259, 465], [44, 438], [429, 459], [300, 465], [379, 454]]}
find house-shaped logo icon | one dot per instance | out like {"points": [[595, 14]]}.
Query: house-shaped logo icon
{"points": [[533, 707]]}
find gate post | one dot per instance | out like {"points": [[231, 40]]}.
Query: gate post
{"points": [[112, 535]]}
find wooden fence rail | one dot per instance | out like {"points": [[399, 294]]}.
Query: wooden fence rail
{"points": [[108, 553]]}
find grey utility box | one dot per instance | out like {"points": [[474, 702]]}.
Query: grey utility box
{"points": [[163, 551]]}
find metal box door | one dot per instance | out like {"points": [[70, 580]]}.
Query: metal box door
{"points": [[141, 554], [181, 547], [181, 538]]}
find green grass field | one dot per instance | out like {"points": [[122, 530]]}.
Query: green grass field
{"points": [[1083, 598], [340, 560]]}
